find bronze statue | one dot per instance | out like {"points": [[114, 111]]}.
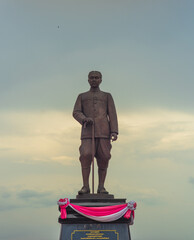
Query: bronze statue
{"points": [[95, 108]]}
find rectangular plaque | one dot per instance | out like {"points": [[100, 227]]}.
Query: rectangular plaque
{"points": [[95, 231], [94, 235]]}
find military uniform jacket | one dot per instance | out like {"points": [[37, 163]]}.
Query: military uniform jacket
{"points": [[100, 107]]}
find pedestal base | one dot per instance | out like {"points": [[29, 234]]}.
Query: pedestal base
{"points": [[94, 231], [78, 227]]}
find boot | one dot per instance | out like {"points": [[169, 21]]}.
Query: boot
{"points": [[84, 190], [102, 175], [85, 175], [102, 190]]}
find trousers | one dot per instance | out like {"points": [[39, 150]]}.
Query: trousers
{"points": [[102, 148]]}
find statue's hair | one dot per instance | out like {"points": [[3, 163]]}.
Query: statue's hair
{"points": [[95, 72]]}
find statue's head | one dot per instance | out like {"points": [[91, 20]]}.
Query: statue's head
{"points": [[94, 78]]}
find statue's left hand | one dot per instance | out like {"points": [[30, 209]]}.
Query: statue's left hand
{"points": [[113, 137]]}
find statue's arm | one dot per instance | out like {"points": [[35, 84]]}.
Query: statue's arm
{"points": [[77, 111], [112, 118]]}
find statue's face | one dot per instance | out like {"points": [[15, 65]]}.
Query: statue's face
{"points": [[94, 80]]}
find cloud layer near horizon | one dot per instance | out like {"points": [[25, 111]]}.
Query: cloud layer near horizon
{"points": [[152, 142]]}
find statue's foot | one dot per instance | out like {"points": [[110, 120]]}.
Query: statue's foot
{"points": [[102, 190], [84, 190]]}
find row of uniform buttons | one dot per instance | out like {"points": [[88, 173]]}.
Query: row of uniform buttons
{"points": [[95, 102]]}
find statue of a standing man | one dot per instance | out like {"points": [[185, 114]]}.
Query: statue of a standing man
{"points": [[95, 108]]}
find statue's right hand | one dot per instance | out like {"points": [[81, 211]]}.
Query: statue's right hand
{"points": [[87, 121]]}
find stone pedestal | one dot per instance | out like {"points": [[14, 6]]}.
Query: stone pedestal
{"points": [[78, 227]]}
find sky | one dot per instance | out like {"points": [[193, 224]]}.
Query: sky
{"points": [[145, 51]]}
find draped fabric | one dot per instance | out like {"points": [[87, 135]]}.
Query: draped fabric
{"points": [[101, 214]]}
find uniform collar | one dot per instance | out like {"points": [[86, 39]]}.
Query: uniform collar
{"points": [[95, 89]]}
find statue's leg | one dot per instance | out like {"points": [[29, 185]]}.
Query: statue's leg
{"points": [[101, 177], [103, 156], [85, 159], [85, 177]]}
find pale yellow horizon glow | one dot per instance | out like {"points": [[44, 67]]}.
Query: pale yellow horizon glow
{"points": [[54, 135]]}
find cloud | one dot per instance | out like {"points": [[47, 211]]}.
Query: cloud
{"points": [[65, 160], [54, 135], [4, 193], [27, 194], [14, 198], [148, 196], [157, 131], [151, 144], [5, 149], [191, 180], [36, 136], [158, 138]]}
